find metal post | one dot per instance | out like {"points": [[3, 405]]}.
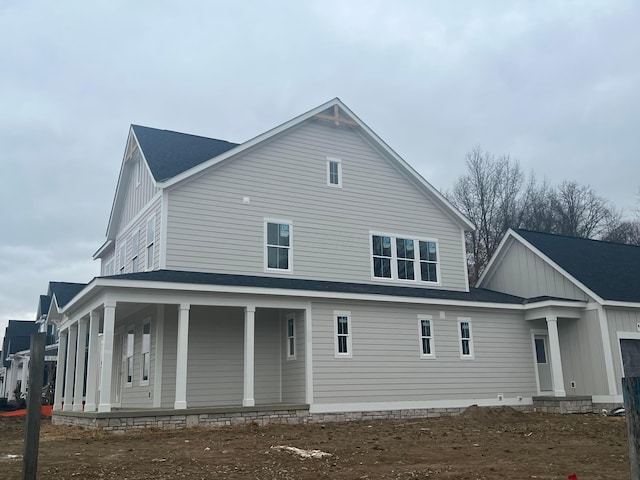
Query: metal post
{"points": [[34, 406], [631, 396]]}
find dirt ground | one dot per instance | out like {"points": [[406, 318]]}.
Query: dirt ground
{"points": [[480, 444]]}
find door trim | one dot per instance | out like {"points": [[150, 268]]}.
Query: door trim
{"points": [[544, 333]]}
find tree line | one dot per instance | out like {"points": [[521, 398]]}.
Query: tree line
{"points": [[496, 195]]}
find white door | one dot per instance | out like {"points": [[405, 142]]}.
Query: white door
{"points": [[542, 361]]}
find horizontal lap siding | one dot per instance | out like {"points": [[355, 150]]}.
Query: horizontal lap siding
{"points": [[209, 228], [267, 356], [136, 197], [620, 320], [386, 363], [170, 348], [521, 272], [293, 371], [127, 236]]}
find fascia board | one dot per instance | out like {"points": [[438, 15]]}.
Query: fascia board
{"points": [[556, 304], [105, 246], [618, 303]]}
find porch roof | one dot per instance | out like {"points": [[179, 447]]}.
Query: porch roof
{"points": [[200, 278]]}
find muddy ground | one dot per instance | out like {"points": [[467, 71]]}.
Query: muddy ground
{"points": [[480, 444]]}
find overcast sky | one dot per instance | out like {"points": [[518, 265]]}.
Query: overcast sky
{"points": [[555, 84]]}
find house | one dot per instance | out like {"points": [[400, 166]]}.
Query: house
{"points": [[17, 338], [592, 336], [307, 274]]}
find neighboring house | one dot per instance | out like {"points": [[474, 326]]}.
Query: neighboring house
{"points": [[601, 280], [307, 274], [17, 340]]}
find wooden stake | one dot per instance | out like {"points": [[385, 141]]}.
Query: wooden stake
{"points": [[631, 396], [34, 406]]}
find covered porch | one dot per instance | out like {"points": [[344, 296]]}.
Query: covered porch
{"points": [[173, 352]]}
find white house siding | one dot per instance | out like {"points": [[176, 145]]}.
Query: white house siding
{"points": [[169, 354], [107, 256], [137, 395], [521, 272], [293, 371], [620, 320], [140, 225], [582, 355], [135, 196], [386, 364], [210, 229]]}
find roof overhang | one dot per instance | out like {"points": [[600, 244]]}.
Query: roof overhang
{"points": [[105, 246]]}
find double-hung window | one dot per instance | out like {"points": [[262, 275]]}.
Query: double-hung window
{"points": [[130, 339], [427, 347], [342, 325], [466, 340], [403, 258], [146, 352], [278, 243], [291, 337], [135, 247], [334, 172], [151, 238]]}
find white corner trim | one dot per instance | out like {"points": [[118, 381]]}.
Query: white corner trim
{"points": [[608, 353], [308, 354], [164, 218], [419, 404], [464, 259]]}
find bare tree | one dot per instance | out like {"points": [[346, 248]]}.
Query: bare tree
{"points": [[625, 232]]}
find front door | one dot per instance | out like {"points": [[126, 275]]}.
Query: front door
{"points": [[542, 361]]}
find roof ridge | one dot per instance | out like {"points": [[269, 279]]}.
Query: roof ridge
{"points": [[562, 235], [133, 125]]}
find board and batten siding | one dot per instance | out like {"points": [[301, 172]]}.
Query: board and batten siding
{"points": [[620, 320], [136, 196], [210, 229], [126, 236], [523, 273], [293, 370], [386, 365], [582, 355]]}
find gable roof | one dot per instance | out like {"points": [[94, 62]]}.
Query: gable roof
{"points": [[610, 270], [43, 306], [170, 153], [17, 337], [63, 292]]}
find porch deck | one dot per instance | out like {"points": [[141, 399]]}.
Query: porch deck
{"points": [[123, 419]]}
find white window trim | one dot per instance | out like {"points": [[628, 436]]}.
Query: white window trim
{"points": [[130, 328], [291, 316], [150, 244], [108, 268], [143, 382], [432, 337], [135, 250], [394, 259], [266, 249], [343, 313], [138, 169], [471, 355], [339, 162], [122, 257]]}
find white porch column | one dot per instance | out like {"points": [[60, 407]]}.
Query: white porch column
{"points": [[25, 376], [249, 354], [556, 359], [80, 356], [13, 378], [71, 366], [107, 357], [61, 366], [182, 356], [92, 364]]}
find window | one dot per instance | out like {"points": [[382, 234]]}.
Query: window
{"points": [[151, 237], [278, 245], [135, 247], [122, 257], [108, 268], [146, 352], [342, 325], [138, 167], [129, 351], [291, 337], [466, 342], [399, 258], [427, 349], [334, 172]]}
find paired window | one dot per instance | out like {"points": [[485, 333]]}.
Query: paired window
{"points": [[427, 347], [135, 247], [342, 325], [122, 257], [129, 354], [398, 258], [291, 337], [334, 172], [146, 352], [278, 245], [466, 340], [151, 237]]}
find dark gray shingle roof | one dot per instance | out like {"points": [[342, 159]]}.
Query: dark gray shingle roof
{"points": [[173, 276], [608, 269], [65, 291], [17, 337], [170, 153]]}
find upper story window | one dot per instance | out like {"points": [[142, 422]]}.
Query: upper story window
{"points": [[151, 237], [122, 257], [278, 245], [135, 247], [401, 258], [466, 340], [334, 172]]}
